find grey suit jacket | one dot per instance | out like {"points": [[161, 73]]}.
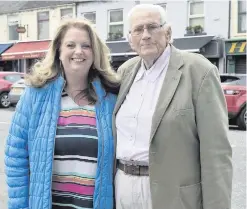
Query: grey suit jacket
{"points": [[189, 154]]}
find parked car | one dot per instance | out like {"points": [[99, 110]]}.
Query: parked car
{"points": [[234, 87], [6, 81], [16, 90]]}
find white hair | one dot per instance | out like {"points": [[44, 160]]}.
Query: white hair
{"points": [[154, 7]]}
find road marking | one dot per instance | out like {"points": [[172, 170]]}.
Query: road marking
{"points": [[6, 123]]}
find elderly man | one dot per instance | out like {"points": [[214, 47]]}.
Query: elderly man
{"points": [[172, 148]]}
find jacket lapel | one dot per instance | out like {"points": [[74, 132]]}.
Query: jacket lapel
{"points": [[168, 89], [126, 84]]}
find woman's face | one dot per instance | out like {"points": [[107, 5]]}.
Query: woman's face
{"points": [[76, 52]]}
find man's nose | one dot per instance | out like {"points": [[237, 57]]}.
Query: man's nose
{"points": [[146, 34]]}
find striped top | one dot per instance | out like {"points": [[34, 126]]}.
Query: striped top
{"points": [[75, 157]]}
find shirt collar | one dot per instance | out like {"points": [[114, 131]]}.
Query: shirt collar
{"points": [[158, 67]]}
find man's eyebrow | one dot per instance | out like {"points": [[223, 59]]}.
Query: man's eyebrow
{"points": [[151, 23]]}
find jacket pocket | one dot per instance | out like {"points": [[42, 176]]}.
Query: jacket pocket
{"points": [[191, 196]]}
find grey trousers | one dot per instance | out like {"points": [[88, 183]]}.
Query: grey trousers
{"points": [[132, 192]]}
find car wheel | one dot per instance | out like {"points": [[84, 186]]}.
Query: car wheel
{"points": [[4, 100], [241, 121]]}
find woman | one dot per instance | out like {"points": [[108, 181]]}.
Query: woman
{"points": [[59, 152]]}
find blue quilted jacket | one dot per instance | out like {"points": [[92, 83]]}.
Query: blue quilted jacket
{"points": [[30, 146]]}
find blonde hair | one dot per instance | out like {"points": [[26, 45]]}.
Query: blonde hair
{"points": [[48, 69]]}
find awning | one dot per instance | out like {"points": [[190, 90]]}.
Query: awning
{"points": [[4, 47], [120, 48], [192, 44], [26, 50]]}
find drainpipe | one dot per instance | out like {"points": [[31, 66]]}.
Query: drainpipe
{"points": [[229, 22], [229, 36], [76, 9]]}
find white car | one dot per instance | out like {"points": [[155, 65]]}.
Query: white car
{"points": [[16, 90]]}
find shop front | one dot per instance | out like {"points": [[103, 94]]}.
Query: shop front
{"points": [[6, 65], [236, 56], [24, 54], [208, 46]]}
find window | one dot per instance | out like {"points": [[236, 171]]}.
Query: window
{"points": [[91, 16], [115, 24], [13, 23], [12, 78], [43, 25], [242, 16], [196, 13], [66, 13]]}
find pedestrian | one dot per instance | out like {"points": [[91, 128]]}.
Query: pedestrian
{"points": [[172, 147], [59, 151]]}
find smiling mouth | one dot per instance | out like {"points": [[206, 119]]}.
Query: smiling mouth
{"points": [[77, 59]]}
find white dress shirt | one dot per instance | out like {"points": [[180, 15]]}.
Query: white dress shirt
{"points": [[134, 118]]}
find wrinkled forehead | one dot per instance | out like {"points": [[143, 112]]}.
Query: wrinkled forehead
{"points": [[144, 16]]}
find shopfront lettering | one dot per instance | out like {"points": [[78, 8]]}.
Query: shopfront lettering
{"points": [[237, 47]]}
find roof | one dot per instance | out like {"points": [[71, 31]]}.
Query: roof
{"points": [[7, 7]]}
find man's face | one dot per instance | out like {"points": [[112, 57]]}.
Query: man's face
{"points": [[151, 43]]}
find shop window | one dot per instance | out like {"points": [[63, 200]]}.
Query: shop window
{"points": [[115, 24], [43, 25]]}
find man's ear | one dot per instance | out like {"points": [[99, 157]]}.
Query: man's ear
{"points": [[168, 33], [130, 40]]}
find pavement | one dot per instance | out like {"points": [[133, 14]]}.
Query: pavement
{"points": [[237, 139]]}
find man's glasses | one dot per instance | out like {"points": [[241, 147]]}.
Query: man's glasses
{"points": [[151, 28]]}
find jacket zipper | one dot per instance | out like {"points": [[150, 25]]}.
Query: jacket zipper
{"points": [[54, 143], [102, 157]]}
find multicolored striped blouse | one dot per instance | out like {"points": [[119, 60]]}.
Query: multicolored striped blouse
{"points": [[75, 157]]}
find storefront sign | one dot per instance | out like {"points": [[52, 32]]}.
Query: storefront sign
{"points": [[21, 29], [236, 48], [23, 56]]}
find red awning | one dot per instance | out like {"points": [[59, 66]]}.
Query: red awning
{"points": [[26, 50]]}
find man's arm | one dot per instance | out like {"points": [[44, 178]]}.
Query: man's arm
{"points": [[215, 148]]}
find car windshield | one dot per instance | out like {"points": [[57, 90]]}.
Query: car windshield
{"points": [[13, 78]]}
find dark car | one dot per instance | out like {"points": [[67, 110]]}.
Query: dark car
{"points": [[234, 87], [6, 81]]}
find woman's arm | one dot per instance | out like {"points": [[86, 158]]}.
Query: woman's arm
{"points": [[16, 154]]}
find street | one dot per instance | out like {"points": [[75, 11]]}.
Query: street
{"points": [[237, 138]]}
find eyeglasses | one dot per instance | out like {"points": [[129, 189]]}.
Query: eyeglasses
{"points": [[152, 28]]}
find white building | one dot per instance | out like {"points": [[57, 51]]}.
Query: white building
{"points": [[110, 19]]}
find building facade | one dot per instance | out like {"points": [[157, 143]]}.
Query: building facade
{"points": [[28, 27], [235, 46], [200, 27]]}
